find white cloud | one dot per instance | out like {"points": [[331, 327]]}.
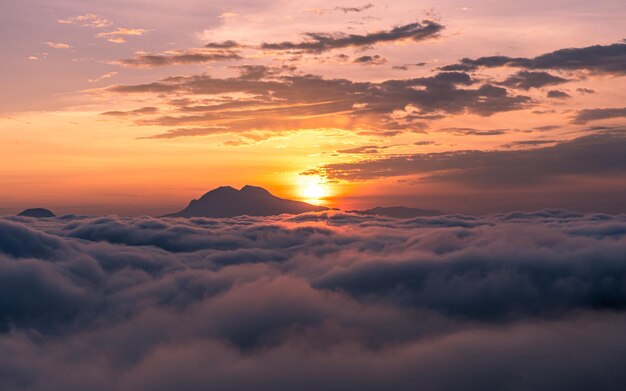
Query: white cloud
{"points": [[59, 45]]}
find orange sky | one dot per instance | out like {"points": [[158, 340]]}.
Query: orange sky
{"points": [[137, 107]]}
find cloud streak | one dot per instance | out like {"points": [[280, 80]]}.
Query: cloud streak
{"points": [[321, 42], [179, 57], [607, 59]]}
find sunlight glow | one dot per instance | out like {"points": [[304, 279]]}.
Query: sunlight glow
{"points": [[313, 190]]}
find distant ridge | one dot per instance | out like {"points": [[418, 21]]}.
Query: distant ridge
{"points": [[226, 201], [37, 212], [401, 212]]}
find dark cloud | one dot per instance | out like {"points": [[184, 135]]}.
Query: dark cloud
{"points": [[557, 94], [585, 91], [547, 128], [526, 80], [179, 57], [370, 60], [475, 132], [609, 59], [604, 156], [364, 149], [530, 143], [587, 115], [286, 102], [406, 67], [230, 44], [142, 110], [321, 42], [316, 301], [355, 9]]}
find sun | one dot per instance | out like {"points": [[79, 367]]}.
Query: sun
{"points": [[313, 190]]}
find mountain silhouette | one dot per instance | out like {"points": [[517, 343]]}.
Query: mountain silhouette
{"points": [[227, 201], [401, 212], [37, 212]]}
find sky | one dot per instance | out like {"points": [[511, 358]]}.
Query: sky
{"points": [[136, 107]]}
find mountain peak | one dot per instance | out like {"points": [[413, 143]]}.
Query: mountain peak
{"points": [[37, 212], [226, 201], [254, 190]]}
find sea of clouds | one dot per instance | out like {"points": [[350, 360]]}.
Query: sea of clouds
{"points": [[315, 301]]}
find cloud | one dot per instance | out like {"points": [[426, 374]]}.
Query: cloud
{"points": [[370, 60], [530, 143], [406, 67], [526, 80], [475, 132], [280, 101], [87, 20], [178, 57], [230, 44], [588, 115], [321, 42], [364, 149], [556, 94], [104, 76], [142, 110], [118, 35], [498, 168], [59, 45], [585, 91], [325, 300], [609, 59], [362, 8]]}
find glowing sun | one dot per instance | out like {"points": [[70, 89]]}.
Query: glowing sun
{"points": [[313, 191]]}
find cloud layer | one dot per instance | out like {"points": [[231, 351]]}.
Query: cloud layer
{"points": [[276, 100], [329, 300]]}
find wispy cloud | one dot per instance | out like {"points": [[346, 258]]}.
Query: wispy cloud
{"points": [[59, 45], [87, 20], [178, 57], [355, 9], [118, 35], [104, 76]]}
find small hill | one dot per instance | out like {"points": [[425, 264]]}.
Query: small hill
{"points": [[37, 212], [227, 201], [401, 212]]}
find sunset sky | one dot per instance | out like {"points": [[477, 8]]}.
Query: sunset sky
{"points": [[136, 107]]}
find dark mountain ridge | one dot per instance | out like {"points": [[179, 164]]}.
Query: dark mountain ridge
{"points": [[226, 201], [37, 212]]}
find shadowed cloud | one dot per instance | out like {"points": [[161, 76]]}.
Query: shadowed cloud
{"points": [[337, 299], [320, 42], [282, 102], [609, 59], [604, 154], [179, 57]]}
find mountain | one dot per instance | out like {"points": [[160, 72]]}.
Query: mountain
{"points": [[401, 212], [226, 201], [36, 212]]}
